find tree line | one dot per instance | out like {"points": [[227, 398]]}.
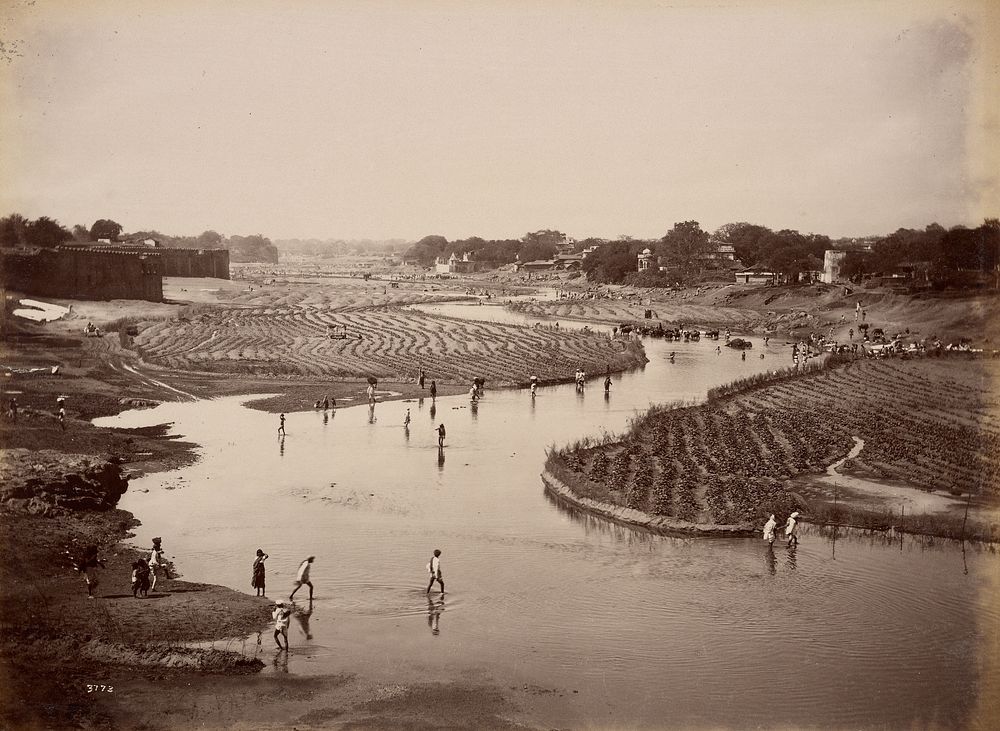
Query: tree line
{"points": [[933, 254], [45, 232], [689, 254]]}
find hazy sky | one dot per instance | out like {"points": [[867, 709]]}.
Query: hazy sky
{"points": [[401, 119]]}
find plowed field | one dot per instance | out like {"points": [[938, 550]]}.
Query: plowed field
{"points": [[933, 423], [284, 331]]}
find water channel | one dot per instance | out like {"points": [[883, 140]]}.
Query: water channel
{"points": [[629, 629]]}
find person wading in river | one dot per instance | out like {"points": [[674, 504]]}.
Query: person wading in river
{"points": [[791, 527], [282, 614], [303, 578], [769, 527], [441, 434], [434, 568]]}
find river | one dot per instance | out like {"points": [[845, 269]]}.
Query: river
{"points": [[628, 628]]}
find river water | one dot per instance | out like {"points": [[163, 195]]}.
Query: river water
{"points": [[628, 629]]}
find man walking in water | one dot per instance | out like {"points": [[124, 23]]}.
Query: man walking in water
{"points": [[769, 527], [406, 420], [441, 434], [790, 527], [303, 578], [434, 389], [607, 384], [422, 376], [434, 567], [281, 615], [281, 424]]}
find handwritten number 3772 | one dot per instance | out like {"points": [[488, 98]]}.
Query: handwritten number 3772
{"points": [[100, 688]]}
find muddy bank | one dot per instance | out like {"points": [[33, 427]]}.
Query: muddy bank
{"points": [[56, 641], [46, 481]]}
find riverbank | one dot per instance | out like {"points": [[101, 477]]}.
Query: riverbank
{"points": [[791, 310], [56, 642], [927, 424]]}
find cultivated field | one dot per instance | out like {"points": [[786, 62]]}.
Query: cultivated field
{"points": [[934, 423], [283, 330]]}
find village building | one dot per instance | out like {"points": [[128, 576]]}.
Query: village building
{"points": [[832, 260], [454, 265], [756, 275], [646, 260], [719, 253], [539, 265], [568, 261]]}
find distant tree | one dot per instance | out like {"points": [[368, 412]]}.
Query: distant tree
{"points": [[209, 240], [682, 250], [47, 233], [545, 238], [855, 265], [427, 249], [745, 238], [105, 228], [252, 248], [613, 261], [535, 251], [81, 233], [13, 231]]}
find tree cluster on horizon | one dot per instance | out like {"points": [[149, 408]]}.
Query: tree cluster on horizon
{"points": [[934, 254], [45, 232], [495, 252]]}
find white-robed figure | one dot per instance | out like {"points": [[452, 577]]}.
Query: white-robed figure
{"points": [[790, 529], [769, 527], [434, 569]]}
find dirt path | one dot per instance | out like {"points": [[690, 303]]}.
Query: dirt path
{"points": [[880, 494]]}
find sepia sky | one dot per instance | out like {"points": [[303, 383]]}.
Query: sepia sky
{"points": [[401, 119]]}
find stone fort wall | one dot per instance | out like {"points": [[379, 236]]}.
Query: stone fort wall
{"points": [[84, 273]]}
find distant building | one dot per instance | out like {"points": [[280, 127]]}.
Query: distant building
{"points": [[756, 275], [589, 250], [454, 265], [568, 261], [566, 246], [719, 252], [832, 261], [646, 260], [539, 265]]}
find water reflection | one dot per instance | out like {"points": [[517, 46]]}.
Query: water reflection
{"points": [[770, 560], [440, 459], [434, 609], [303, 616], [280, 661], [281, 445], [792, 556]]}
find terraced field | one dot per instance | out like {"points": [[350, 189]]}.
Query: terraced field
{"points": [[934, 423], [283, 331]]}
